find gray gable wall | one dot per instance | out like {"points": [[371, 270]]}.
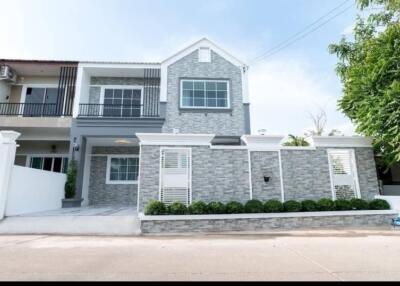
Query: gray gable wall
{"points": [[228, 123]]}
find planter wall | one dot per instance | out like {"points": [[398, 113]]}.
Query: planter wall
{"points": [[266, 222]]}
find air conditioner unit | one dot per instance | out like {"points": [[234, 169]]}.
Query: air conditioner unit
{"points": [[7, 73]]}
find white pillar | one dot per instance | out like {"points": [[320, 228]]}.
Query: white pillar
{"points": [[8, 148]]}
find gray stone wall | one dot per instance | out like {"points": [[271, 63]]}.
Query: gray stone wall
{"points": [[306, 174], [367, 174], [270, 223], [229, 123], [102, 194], [149, 175], [220, 175], [265, 164]]}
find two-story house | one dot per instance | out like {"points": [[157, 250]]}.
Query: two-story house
{"points": [[178, 130]]}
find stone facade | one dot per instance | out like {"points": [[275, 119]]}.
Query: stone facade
{"points": [[220, 122], [367, 175], [223, 174], [102, 194], [220, 175], [265, 164], [306, 174], [270, 222]]}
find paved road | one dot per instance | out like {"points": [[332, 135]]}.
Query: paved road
{"points": [[335, 255]]}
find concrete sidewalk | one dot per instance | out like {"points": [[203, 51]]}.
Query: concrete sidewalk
{"points": [[301, 255]]}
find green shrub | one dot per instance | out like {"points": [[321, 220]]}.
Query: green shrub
{"points": [[292, 206], [325, 205], [378, 204], [254, 206], [359, 204], [273, 206], [198, 208], [309, 206], [216, 208], [70, 184], [155, 208], [177, 208], [234, 208], [343, 205]]}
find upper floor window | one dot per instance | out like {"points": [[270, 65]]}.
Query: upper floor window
{"points": [[205, 94], [122, 102]]}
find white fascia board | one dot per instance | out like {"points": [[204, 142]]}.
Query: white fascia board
{"points": [[341, 141], [119, 65], [263, 142], [164, 139]]}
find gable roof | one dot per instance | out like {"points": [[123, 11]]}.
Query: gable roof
{"points": [[204, 42]]}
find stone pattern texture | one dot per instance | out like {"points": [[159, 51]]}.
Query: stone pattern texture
{"points": [[220, 175], [116, 81], [267, 224], [228, 123], [265, 164], [306, 174], [149, 175], [102, 194], [367, 175], [94, 94]]}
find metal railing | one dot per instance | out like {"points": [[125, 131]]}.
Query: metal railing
{"points": [[32, 110], [115, 110]]}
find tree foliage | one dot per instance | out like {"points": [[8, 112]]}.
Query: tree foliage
{"points": [[369, 68], [296, 141]]}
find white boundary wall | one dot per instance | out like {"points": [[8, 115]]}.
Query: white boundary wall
{"points": [[32, 190]]}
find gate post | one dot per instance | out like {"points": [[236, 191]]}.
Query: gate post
{"points": [[8, 148]]}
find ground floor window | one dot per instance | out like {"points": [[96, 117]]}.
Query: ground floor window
{"points": [[58, 164], [122, 169]]}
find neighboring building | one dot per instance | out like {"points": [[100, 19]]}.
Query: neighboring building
{"points": [[178, 130]]}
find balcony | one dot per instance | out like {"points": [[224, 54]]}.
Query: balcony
{"points": [[118, 111], [34, 110]]}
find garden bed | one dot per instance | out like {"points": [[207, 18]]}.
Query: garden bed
{"points": [[266, 221]]}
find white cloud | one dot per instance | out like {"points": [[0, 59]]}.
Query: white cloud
{"points": [[349, 30], [283, 92]]}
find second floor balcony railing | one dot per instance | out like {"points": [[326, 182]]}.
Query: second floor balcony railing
{"points": [[32, 110], [116, 110]]}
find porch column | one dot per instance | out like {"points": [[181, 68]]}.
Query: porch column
{"points": [[8, 148]]}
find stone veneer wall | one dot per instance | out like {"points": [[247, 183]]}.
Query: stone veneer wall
{"points": [[265, 164], [219, 122], [102, 194], [223, 174], [269, 222]]}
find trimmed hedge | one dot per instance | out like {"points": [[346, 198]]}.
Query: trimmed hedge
{"points": [[379, 205], [292, 206], [155, 208], [234, 208], [254, 206], [198, 208], [177, 208], [216, 208], [271, 206]]}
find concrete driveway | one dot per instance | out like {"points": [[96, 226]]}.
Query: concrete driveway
{"points": [[316, 255]]}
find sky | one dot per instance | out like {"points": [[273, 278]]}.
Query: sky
{"points": [[284, 88]]}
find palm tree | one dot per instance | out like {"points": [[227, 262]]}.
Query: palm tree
{"points": [[296, 141]]}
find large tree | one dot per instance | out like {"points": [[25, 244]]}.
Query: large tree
{"points": [[369, 68]]}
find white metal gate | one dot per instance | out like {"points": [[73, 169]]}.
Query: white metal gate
{"points": [[175, 175], [343, 173]]}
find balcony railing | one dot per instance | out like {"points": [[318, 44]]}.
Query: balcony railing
{"points": [[32, 110], [116, 110]]}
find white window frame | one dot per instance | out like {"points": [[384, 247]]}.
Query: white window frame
{"points": [[30, 156], [108, 170], [190, 172], [228, 94], [123, 87], [353, 163]]}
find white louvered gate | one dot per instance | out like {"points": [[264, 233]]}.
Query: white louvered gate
{"points": [[343, 174], [175, 176]]}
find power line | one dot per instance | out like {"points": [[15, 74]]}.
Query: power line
{"points": [[299, 35]]}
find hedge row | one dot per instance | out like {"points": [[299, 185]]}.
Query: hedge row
{"points": [[271, 206]]}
